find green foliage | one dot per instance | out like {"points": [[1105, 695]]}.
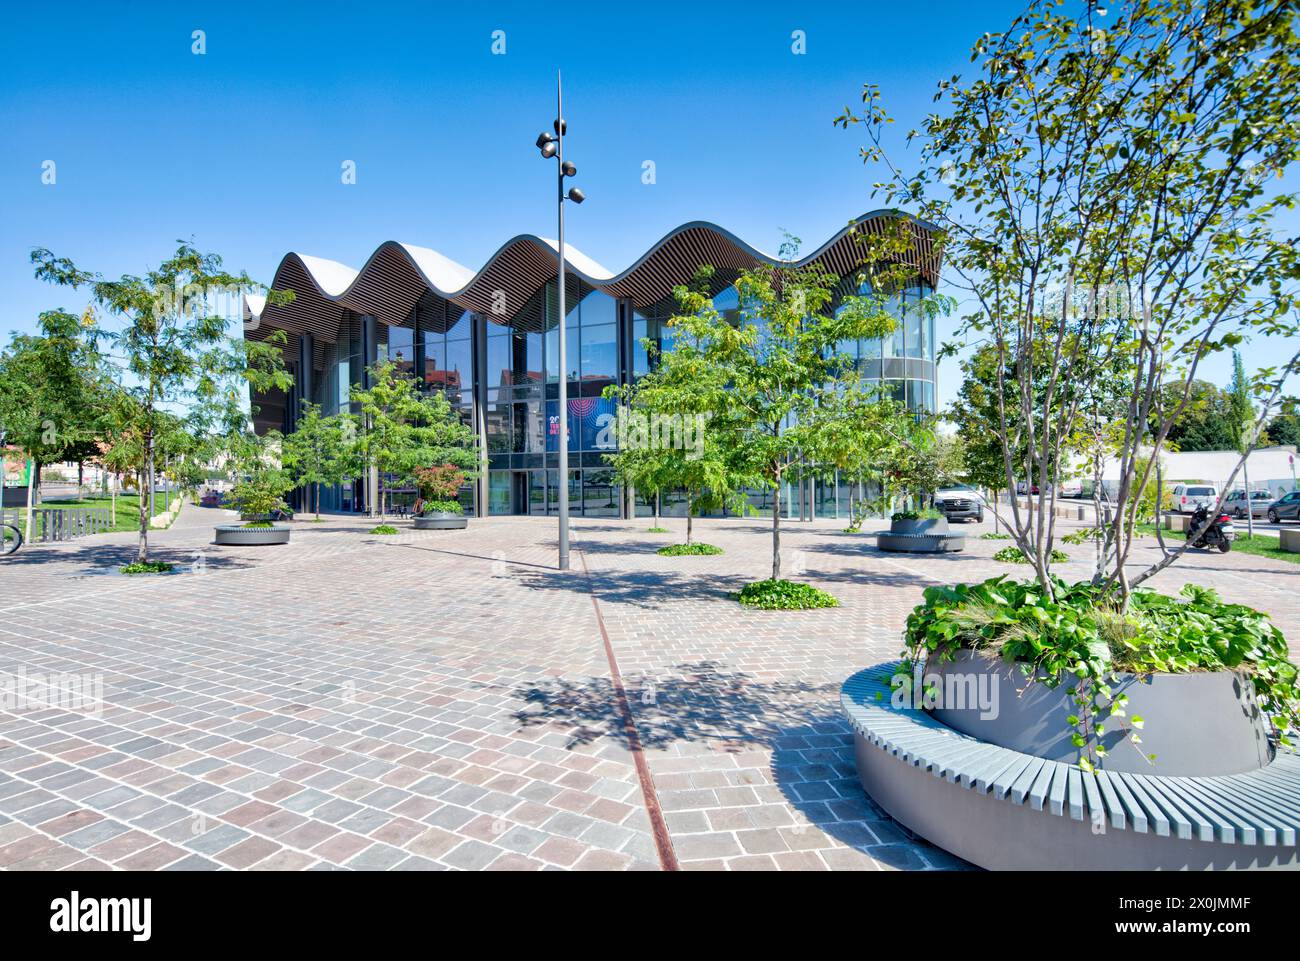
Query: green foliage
{"points": [[924, 514], [442, 507], [1206, 422], [146, 567], [1111, 195], [1083, 535], [261, 493], [994, 536], [174, 354], [774, 594], [402, 429], [680, 550], [1284, 428], [384, 529], [260, 525], [1014, 555], [319, 450], [1083, 638], [656, 530]]}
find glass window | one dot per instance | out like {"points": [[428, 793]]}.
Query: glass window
{"points": [[499, 359], [599, 352], [400, 348], [599, 494], [499, 484], [459, 364]]}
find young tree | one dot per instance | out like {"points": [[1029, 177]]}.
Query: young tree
{"points": [[319, 450], [52, 395], [401, 429], [1105, 184], [665, 432], [639, 467], [175, 350], [784, 397]]}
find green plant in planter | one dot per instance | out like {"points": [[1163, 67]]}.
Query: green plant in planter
{"points": [[261, 493], [146, 567], [438, 486], [1083, 638], [925, 514]]}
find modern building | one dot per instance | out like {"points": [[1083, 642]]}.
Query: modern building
{"points": [[488, 339]]}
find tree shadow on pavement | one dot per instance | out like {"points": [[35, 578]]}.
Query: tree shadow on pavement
{"points": [[707, 704]]}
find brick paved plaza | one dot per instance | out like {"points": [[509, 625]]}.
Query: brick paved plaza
{"points": [[446, 700]]}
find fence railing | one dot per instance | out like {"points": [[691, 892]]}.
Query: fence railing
{"points": [[53, 524]]}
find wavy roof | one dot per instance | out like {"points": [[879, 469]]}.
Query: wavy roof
{"points": [[397, 275]]}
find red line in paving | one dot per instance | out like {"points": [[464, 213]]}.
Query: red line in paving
{"points": [[663, 843]]}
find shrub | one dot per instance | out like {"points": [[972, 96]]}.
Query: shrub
{"points": [[1014, 555], [994, 536], [442, 507], [680, 550], [780, 595], [147, 567], [383, 529], [261, 493], [439, 485], [926, 514], [1085, 637], [656, 530]]}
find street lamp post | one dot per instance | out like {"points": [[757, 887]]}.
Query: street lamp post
{"points": [[553, 146]]}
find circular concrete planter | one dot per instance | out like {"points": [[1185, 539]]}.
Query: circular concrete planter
{"points": [[1203, 724], [929, 535], [441, 521], [237, 535]]}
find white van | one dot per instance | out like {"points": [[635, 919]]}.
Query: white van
{"points": [[1187, 497]]}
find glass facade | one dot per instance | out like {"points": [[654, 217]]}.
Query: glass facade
{"points": [[514, 401]]}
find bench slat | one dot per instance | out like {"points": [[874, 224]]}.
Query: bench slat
{"points": [[1155, 814]]}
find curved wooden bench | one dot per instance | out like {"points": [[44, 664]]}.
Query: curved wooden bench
{"points": [[999, 808]]}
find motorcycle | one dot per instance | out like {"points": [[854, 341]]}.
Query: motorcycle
{"points": [[1219, 533]]}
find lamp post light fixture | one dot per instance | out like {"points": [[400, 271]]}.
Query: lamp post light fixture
{"points": [[552, 145]]}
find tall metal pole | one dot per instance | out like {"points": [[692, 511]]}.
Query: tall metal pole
{"points": [[562, 360]]}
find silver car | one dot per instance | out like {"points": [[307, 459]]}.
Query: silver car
{"points": [[1237, 503]]}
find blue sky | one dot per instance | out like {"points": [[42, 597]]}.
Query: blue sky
{"points": [[241, 148]]}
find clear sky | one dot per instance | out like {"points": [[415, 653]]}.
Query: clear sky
{"points": [[241, 148]]}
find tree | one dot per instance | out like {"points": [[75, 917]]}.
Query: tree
{"points": [[438, 486], [401, 429], [175, 353], [1284, 428], [664, 434], [1205, 420], [784, 397], [639, 467], [319, 450], [52, 394], [1104, 186]]}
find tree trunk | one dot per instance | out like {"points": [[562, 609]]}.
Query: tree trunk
{"points": [[657, 524], [318, 500], [31, 498], [689, 510], [776, 530], [142, 545]]}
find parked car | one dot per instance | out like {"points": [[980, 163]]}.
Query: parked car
{"points": [[1023, 487], [1285, 508], [1187, 497], [1259, 501], [1071, 488], [959, 502]]}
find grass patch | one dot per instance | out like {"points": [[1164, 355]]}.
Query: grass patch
{"points": [[1261, 544], [773, 595], [682, 550], [1014, 555], [993, 536], [656, 530], [383, 529], [148, 567], [125, 518]]}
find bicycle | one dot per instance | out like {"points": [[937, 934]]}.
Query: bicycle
{"points": [[11, 538]]}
